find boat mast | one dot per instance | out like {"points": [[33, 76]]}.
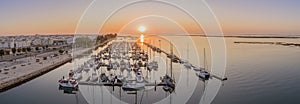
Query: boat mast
{"points": [[171, 59], [150, 50], [204, 55], [154, 51], [187, 51], [159, 48], [167, 66]]}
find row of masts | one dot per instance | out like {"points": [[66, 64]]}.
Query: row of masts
{"points": [[173, 59], [202, 72]]}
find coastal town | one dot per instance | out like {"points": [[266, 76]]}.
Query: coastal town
{"points": [[23, 58]]}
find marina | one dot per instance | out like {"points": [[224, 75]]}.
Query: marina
{"points": [[120, 56], [149, 52], [115, 93], [126, 65]]}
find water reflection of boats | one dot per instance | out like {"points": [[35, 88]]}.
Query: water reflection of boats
{"points": [[68, 90]]}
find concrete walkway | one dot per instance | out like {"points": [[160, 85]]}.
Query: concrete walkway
{"points": [[24, 68]]}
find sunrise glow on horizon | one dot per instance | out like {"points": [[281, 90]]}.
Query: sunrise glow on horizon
{"points": [[142, 29]]}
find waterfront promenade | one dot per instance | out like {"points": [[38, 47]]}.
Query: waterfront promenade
{"points": [[24, 69]]}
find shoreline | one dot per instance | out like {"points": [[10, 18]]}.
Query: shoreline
{"points": [[19, 80], [30, 69]]}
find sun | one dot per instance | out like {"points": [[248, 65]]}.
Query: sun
{"points": [[142, 28]]}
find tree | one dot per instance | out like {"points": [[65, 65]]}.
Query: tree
{"points": [[37, 48], [14, 50], [84, 42], [19, 50], [61, 51], [24, 49], [7, 52], [28, 49], [1, 52]]}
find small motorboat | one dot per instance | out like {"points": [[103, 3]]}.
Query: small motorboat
{"points": [[77, 76], [122, 68], [103, 77], [86, 68], [111, 78], [136, 69], [128, 67], [109, 66], [88, 79], [139, 77], [153, 65], [102, 64], [175, 60], [187, 64], [94, 77], [169, 81], [120, 78], [129, 77], [122, 62], [197, 68], [71, 73], [168, 89], [115, 66], [68, 83], [203, 74], [140, 64], [144, 58]]}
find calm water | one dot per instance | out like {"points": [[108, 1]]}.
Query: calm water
{"points": [[257, 74]]}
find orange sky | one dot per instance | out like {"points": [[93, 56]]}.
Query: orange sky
{"points": [[235, 17]]}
